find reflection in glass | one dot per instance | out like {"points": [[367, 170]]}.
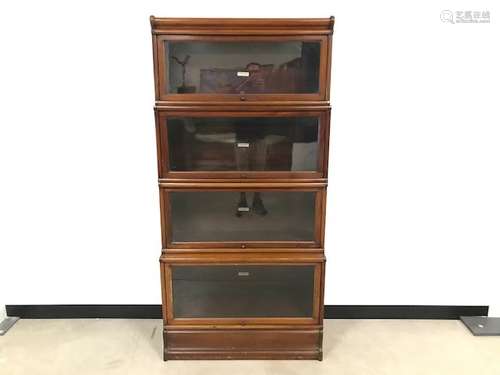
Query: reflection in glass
{"points": [[243, 144], [227, 216], [242, 291], [242, 67]]}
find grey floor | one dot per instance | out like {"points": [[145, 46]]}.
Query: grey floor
{"points": [[361, 347]]}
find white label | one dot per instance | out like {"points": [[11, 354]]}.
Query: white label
{"points": [[244, 145], [243, 74], [243, 273], [243, 209]]}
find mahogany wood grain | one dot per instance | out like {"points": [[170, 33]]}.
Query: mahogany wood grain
{"points": [[241, 344], [241, 26], [256, 255], [214, 105]]}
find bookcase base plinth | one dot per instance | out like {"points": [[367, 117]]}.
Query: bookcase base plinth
{"points": [[242, 344]]}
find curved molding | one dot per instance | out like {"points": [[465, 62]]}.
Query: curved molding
{"points": [[242, 26]]}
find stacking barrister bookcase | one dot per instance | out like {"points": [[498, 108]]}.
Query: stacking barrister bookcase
{"points": [[242, 123]]}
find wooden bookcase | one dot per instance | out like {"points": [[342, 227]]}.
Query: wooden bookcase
{"points": [[242, 122]]}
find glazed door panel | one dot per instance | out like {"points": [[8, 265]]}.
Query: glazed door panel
{"points": [[242, 145], [243, 293], [242, 68], [243, 218]]}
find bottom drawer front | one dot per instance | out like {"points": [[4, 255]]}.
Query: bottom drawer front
{"points": [[226, 344], [246, 291]]}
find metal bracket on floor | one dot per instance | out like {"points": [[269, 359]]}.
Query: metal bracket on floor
{"points": [[7, 324], [482, 325]]}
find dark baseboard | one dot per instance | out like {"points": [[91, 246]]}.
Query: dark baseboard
{"points": [[331, 311], [402, 311], [84, 311]]}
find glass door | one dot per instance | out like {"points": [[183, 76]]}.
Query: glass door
{"points": [[242, 218], [242, 68], [243, 292], [242, 144]]}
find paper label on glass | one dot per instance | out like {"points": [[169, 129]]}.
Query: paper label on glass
{"points": [[243, 209], [244, 145], [243, 74]]}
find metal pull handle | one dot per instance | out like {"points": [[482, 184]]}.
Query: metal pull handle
{"points": [[243, 273]]}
